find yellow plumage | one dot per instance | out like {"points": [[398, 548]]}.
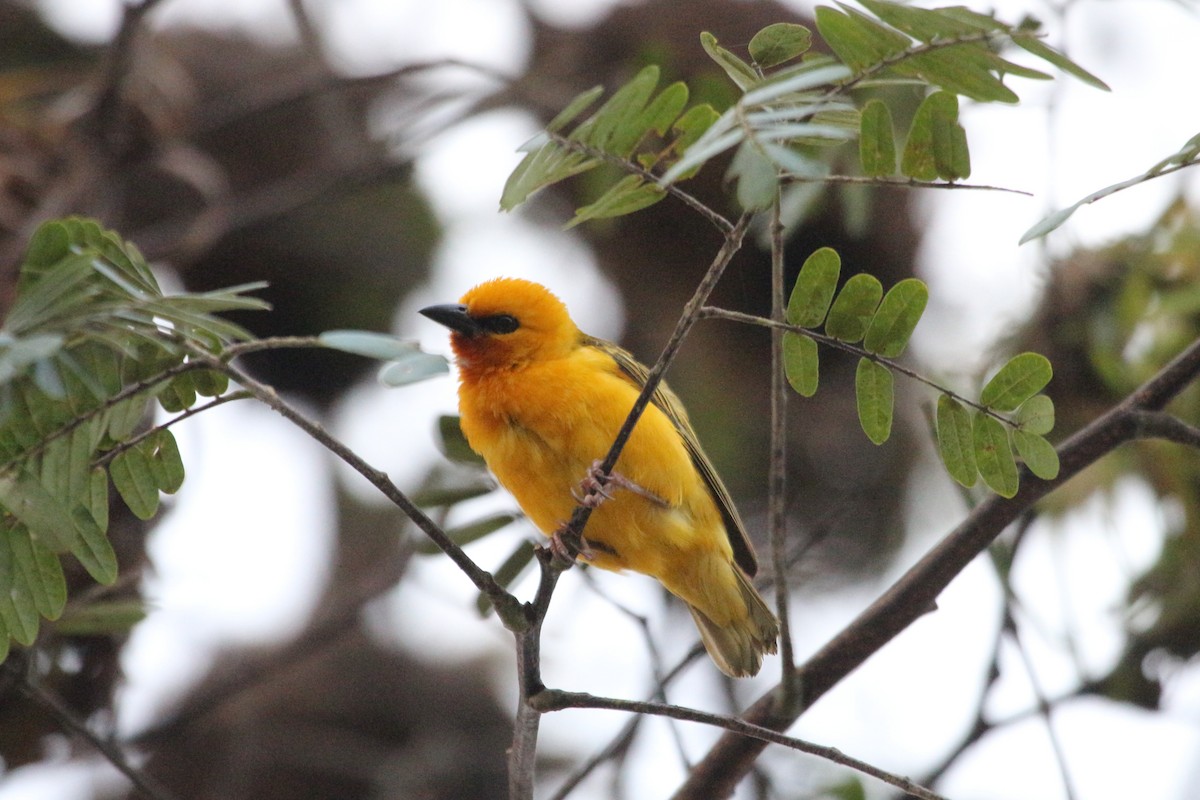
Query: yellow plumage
{"points": [[541, 401]]}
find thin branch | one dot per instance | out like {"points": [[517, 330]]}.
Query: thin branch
{"points": [[556, 700], [70, 723], [917, 590], [1160, 425], [777, 466], [900, 183], [621, 741], [109, 455], [712, 312], [508, 608], [718, 221], [129, 391], [1045, 710]]}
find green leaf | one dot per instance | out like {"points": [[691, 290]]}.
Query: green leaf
{"points": [[876, 140], [101, 618], [897, 316], [859, 41], [919, 23], [930, 146], [1036, 415], [37, 573], [454, 444], [779, 43], [382, 346], [135, 482], [738, 70], [445, 496], [1037, 453], [956, 444], [507, 574], [472, 532], [874, 391], [660, 114], [47, 517], [757, 177], [853, 308], [626, 196], [547, 165], [814, 289], [179, 394], [166, 464], [691, 125], [1020, 379], [50, 244], [93, 549], [97, 500], [801, 363], [415, 368], [124, 417], [210, 383], [18, 613], [961, 69], [1043, 51], [577, 106], [611, 128], [993, 454]]}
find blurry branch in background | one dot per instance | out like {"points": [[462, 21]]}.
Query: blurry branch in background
{"points": [[16, 674]]}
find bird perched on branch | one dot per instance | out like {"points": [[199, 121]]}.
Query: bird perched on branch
{"points": [[542, 402]]}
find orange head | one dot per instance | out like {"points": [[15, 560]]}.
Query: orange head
{"points": [[506, 323]]}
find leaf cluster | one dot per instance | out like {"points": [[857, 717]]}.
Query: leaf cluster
{"points": [[90, 343], [974, 439], [794, 102]]}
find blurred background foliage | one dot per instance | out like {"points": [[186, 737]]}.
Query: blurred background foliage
{"points": [[229, 159]]}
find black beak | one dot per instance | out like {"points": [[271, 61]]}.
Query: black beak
{"points": [[455, 317]]}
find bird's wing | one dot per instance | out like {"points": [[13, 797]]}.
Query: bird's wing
{"points": [[667, 402]]}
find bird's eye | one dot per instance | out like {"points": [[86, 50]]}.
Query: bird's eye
{"points": [[500, 323]]}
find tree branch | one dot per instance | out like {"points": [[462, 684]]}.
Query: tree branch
{"points": [[917, 590], [557, 700]]}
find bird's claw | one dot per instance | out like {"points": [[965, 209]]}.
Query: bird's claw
{"points": [[561, 553], [596, 487]]}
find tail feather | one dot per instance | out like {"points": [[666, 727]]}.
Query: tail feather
{"points": [[738, 647]]}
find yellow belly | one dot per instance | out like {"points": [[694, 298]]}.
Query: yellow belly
{"points": [[541, 452]]}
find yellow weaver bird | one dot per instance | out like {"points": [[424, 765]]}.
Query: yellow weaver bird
{"points": [[542, 402]]}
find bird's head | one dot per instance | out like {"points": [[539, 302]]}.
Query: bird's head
{"points": [[506, 323]]}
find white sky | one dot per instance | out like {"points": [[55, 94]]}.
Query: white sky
{"points": [[909, 701]]}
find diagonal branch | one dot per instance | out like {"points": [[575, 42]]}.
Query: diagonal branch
{"points": [[917, 590]]}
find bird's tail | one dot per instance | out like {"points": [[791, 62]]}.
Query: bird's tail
{"points": [[737, 648]]}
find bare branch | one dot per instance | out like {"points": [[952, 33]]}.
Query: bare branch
{"points": [[145, 785], [555, 700]]}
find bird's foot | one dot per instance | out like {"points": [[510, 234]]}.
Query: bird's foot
{"points": [[592, 489], [562, 554]]}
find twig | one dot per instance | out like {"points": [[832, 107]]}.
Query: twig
{"points": [[913, 594], [900, 183], [109, 455], [507, 607], [556, 700], [777, 466], [719, 222], [69, 722], [711, 312]]}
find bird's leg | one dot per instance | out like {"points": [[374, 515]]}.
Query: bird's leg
{"points": [[592, 492], [561, 553]]}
